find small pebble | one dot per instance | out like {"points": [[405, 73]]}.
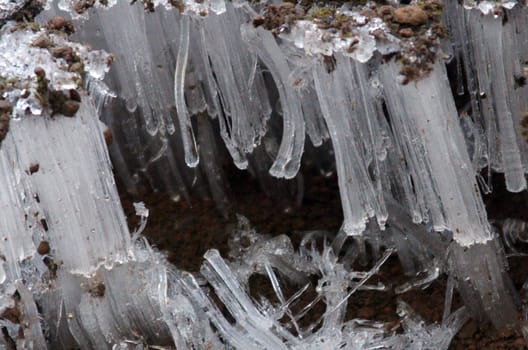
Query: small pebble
{"points": [[42, 42], [412, 15], [43, 248]]}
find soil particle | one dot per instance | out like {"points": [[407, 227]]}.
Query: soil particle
{"points": [[56, 22], [77, 67], [61, 24], [69, 108], [5, 112], [74, 95], [406, 32], [258, 21], [43, 248], [40, 73], [97, 290], [178, 4], [42, 42], [108, 136], [411, 15], [12, 314], [278, 15], [385, 10], [4, 125], [33, 168], [52, 266], [65, 52]]}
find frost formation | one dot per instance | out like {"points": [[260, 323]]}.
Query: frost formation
{"points": [[410, 162]]}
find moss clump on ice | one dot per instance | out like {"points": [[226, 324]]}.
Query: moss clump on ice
{"points": [[277, 16], [6, 108], [5, 114], [65, 103], [83, 5]]}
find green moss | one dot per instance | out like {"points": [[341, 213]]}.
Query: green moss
{"points": [[321, 13], [433, 8], [340, 20]]}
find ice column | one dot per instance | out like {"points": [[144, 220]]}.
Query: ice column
{"points": [[493, 50], [349, 115], [425, 119], [242, 90], [143, 115], [264, 45], [66, 237]]}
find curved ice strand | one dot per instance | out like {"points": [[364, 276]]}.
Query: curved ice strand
{"points": [[189, 142], [288, 159]]}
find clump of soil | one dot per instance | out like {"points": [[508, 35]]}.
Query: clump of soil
{"points": [[410, 15]]}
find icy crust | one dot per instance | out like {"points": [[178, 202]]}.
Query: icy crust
{"points": [[79, 8], [360, 45], [37, 62], [491, 7]]}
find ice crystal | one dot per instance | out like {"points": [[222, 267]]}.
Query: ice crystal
{"points": [[409, 140]]}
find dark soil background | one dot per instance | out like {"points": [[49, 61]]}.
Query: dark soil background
{"points": [[186, 230]]}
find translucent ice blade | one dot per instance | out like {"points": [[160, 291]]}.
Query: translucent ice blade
{"points": [[288, 158], [189, 143], [424, 117]]}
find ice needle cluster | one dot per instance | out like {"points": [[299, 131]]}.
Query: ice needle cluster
{"points": [[417, 102]]}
